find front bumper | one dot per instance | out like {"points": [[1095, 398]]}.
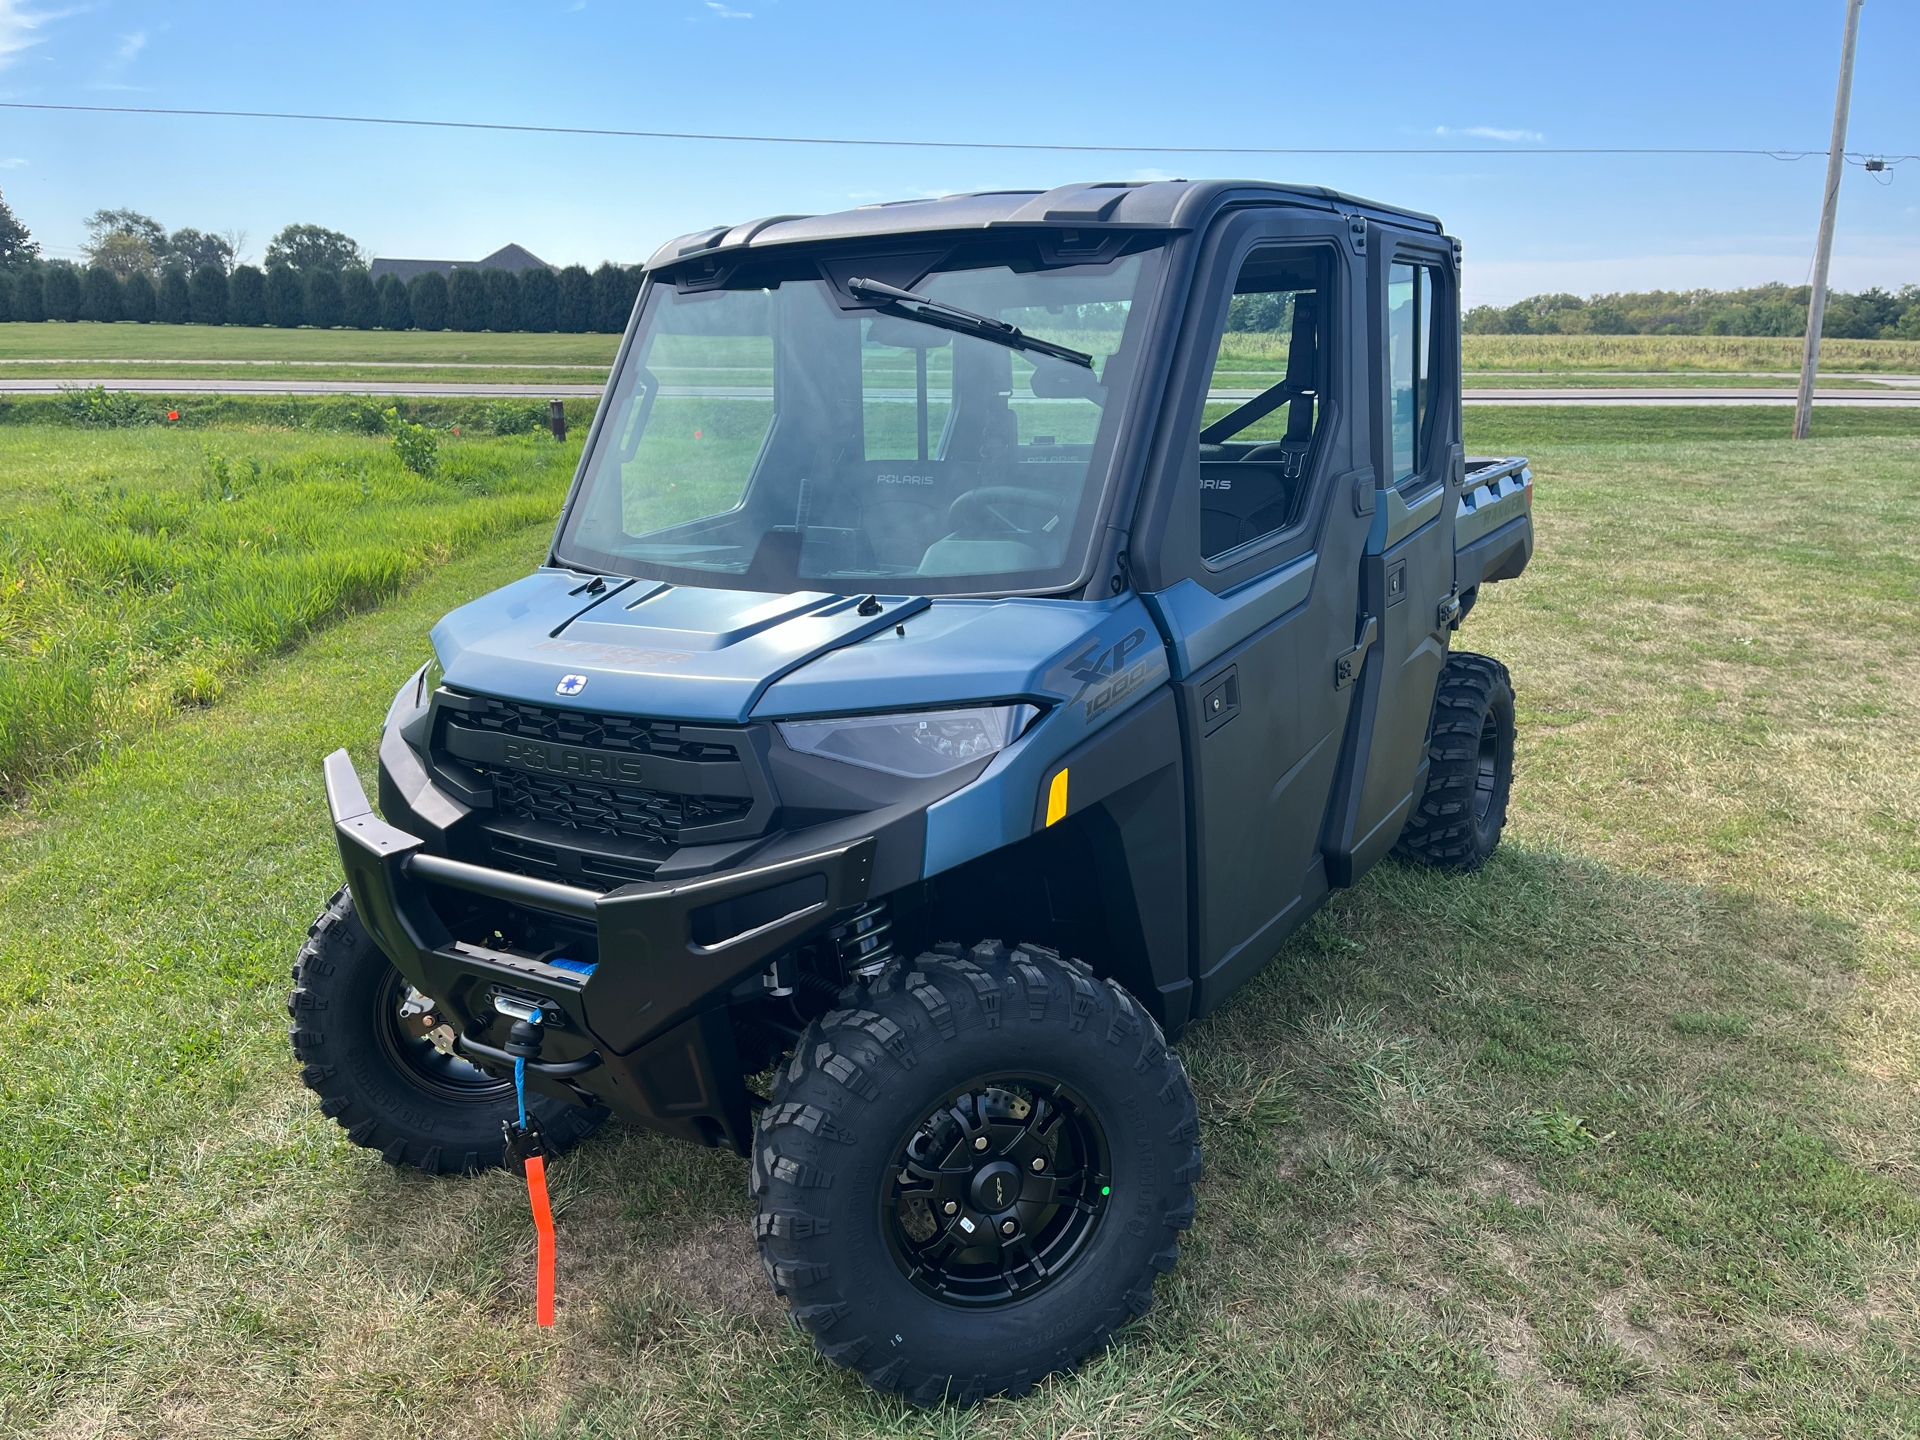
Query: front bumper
{"points": [[646, 1033]]}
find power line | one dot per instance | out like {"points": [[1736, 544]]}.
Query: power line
{"points": [[923, 144]]}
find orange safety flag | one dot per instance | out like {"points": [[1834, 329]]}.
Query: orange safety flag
{"points": [[543, 1223]]}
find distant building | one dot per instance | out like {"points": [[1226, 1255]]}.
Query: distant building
{"points": [[508, 257]]}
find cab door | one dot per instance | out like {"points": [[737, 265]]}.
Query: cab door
{"points": [[1253, 567], [1406, 578]]}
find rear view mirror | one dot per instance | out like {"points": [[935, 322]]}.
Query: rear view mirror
{"points": [[1060, 380]]}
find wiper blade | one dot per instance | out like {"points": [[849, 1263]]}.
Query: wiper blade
{"points": [[965, 322]]}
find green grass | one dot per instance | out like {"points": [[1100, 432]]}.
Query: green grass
{"points": [[1613, 1138], [1678, 354], [86, 340], [141, 569]]}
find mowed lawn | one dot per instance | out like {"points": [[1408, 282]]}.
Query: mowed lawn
{"points": [[87, 340], [1616, 1137]]}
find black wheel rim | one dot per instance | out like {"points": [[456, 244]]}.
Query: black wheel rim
{"points": [[1487, 782], [997, 1191], [404, 1021]]}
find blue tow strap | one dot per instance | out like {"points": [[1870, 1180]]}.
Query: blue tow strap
{"points": [[520, 1087]]}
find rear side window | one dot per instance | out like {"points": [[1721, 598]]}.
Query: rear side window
{"points": [[1410, 366], [1266, 400]]}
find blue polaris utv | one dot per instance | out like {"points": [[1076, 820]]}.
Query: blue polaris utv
{"points": [[979, 632]]}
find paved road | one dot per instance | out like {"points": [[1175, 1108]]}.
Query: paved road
{"points": [[1636, 395]]}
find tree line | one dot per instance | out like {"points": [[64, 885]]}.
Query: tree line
{"points": [[572, 300], [136, 270], [1871, 314]]}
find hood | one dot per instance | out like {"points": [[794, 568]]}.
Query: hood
{"points": [[724, 656], [641, 648]]}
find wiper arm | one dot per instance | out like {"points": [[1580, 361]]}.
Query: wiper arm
{"points": [[965, 322]]}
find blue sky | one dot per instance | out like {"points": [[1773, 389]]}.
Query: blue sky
{"points": [[1515, 77]]}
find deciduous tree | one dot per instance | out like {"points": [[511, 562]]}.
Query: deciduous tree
{"points": [[17, 245], [124, 241], [196, 250], [309, 249]]}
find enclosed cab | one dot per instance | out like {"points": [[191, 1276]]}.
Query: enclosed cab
{"points": [[979, 632]]}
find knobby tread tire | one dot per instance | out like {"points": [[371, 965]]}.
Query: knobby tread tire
{"points": [[863, 1075], [1444, 829], [336, 977]]}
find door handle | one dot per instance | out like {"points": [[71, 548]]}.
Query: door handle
{"points": [[1346, 668]]}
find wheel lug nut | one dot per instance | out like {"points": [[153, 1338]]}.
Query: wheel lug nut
{"points": [[950, 1207], [980, 1142], [1039, 1163], [1007, 1227]]}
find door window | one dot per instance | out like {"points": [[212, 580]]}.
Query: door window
{"points": [[1266, 399], [1409, 365]]}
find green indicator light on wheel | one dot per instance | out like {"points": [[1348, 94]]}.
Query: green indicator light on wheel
{"points": [[1106, 1190]]}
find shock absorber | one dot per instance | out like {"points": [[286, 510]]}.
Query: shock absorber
{"points": [[864, 944]]}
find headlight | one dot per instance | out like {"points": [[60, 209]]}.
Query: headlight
{"points": [[430, 679], [930, 742]]}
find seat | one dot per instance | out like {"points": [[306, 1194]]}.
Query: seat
{"points": [[1241, 500]]}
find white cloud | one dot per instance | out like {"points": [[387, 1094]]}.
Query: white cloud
{"points": [[17, 24], [726, 12], [117, 64], [12, 164], [1489, 132]]}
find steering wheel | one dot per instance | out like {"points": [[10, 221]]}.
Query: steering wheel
{"points": [[985, 510]]}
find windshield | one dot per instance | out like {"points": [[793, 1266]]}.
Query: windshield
{"points": [[792, 437]]}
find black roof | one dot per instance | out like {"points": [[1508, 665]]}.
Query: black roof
{"points": [[1113, 204], [516, 258]]}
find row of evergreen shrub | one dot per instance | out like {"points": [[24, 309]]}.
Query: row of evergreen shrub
{"points": [[571, 301]]}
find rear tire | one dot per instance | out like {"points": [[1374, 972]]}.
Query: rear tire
{"points": [[1036, 1101], [1457, 824], [380, 1080]]}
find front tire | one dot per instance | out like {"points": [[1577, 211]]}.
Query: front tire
{"points": [[969, 1179], [1457, 824], [360, 1032]]}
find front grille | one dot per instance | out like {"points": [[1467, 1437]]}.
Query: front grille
{"points": [[622, 812], [568, 866], [570, 727]]}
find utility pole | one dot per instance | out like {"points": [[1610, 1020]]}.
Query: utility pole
{"points": [[1836, 162]]}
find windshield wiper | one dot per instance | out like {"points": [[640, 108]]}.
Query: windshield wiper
{"points": [[965, 322]]}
